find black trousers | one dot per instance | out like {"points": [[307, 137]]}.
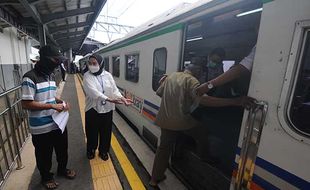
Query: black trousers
{"points": [[98, 124], [63, 74], [44, 145]]}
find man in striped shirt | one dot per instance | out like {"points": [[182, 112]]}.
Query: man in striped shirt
{"points": [[39, 98]]}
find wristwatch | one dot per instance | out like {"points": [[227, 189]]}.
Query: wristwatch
{"points": [[210, 85]]}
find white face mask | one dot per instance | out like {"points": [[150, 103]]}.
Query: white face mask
{"points": [[93, 68]]}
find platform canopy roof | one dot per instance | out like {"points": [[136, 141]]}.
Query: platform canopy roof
{"points": [[66, 22]]}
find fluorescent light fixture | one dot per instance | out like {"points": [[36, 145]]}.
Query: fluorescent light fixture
{"points": [[194, 39], [249, 12], [226, 16]]}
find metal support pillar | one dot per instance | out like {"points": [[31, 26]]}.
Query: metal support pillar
{"points": [[42, 35], [68, 54]]}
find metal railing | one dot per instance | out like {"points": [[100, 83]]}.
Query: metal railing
{"points": [[14, 131]]}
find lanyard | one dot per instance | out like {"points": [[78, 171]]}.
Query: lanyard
{"points": [[101, 83]]}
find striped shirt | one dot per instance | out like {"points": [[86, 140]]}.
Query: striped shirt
{"points": [[42, 89]]}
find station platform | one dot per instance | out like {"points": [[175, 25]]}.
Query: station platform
{"points": [[130, 162]]}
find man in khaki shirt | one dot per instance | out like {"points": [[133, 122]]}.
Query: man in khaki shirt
{"points": [[178, 100]]}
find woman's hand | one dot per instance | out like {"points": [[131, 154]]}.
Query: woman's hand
{"points": [[127, 101], [115, 101]]}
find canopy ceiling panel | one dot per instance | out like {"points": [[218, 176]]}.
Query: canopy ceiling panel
{"points": [[71, 18]]}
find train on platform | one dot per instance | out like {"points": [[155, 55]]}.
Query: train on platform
{"points": [[267, 147]]}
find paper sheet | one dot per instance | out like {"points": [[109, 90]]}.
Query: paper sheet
{"points": [[61, 119]]}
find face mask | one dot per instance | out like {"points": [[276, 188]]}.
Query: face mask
{"points": [[212, 64], [46, 66], [93, 68], [51, 66]]}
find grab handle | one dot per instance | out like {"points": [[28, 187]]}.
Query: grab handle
{"points": [[251, 138]]}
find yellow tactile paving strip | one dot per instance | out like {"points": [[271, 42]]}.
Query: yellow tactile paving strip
{"points": [[103, 173]]}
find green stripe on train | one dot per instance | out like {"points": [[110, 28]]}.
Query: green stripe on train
{"points": [[146, 37], [266, 1]]}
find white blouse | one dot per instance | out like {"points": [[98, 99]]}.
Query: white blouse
{"points": [[98, 89], [247, 62]]}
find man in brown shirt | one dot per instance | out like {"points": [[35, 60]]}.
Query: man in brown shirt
{"points": [[178, 100]]}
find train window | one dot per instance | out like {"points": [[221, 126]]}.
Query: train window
{"points": [[159, 66], [194, 31], [132, 67], [106, 64], [300, 108], [115, 66]]}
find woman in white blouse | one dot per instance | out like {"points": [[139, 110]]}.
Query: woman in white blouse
{"points": [[101, 97]]}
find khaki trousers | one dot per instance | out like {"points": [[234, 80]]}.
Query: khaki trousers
{"points": [[161, 162]]}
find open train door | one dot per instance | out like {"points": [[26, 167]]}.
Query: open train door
{"points": [[273, 148], [268, 146], [205, 156]]}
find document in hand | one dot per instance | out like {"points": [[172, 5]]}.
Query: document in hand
{"points": [[61, 119]]}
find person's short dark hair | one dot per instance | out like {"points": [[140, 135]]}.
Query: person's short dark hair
{"points": [[197, 60], [218, 51]]}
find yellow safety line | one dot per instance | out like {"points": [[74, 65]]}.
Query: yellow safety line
{"points": [[130, 173]]}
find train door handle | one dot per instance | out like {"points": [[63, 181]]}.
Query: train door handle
{"points": [[251, 138]]}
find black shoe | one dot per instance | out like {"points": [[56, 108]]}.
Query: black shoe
{"points": [[90, 154], [104, 156]]}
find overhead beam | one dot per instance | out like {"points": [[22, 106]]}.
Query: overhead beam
{"points": [[31, 10], [37, 17], [98, 7], [9, 19], [92, 42], [67, 27], [61, 42], [4, 25], [33, 2], [9, 2], [65, 14], [65, 35], [72, 45]]}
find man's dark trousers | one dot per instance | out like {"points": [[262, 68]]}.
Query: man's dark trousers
{"points": [[44, 145]]}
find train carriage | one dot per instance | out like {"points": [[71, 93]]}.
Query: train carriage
{"points": [[267, 147]]}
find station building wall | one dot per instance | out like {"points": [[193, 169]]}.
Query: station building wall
{"points": [[14, 57]]}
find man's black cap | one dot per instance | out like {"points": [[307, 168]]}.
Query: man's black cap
{"points": [[51, 51]]}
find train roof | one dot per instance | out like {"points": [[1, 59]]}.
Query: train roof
{"points": [[172, 16]]}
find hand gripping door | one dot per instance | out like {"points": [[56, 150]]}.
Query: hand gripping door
{"points": [[254, 126]]}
